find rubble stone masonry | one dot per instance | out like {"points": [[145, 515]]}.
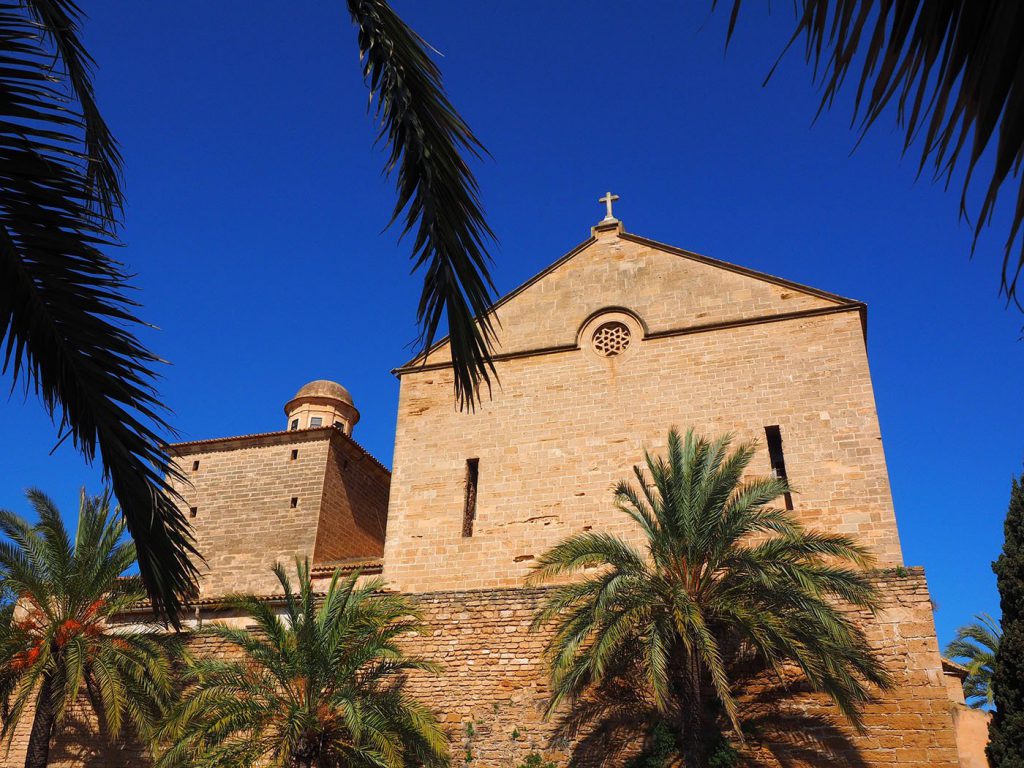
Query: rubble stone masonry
{"points": [[492, 691]]}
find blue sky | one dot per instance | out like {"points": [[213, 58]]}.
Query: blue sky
{"points": [[256, 208]]}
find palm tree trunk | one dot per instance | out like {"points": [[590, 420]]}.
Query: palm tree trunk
{"points": [[38, 755], [695, 731]]}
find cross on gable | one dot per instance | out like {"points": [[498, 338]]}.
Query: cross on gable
{"points": [[608, 199]]}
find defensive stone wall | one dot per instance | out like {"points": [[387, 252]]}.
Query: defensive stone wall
{"points": [[494, 686]]}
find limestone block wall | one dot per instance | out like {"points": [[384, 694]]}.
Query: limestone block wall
{"points": [[354, 511], [242, 492], [266, 498], [561, 428]]}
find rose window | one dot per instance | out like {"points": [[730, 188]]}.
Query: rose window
{"points": [[611, 339]]}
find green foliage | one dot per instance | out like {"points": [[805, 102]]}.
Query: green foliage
{"points": [[723, 755], [59, 593], [975, 646], [658, 750], [721, 570], [1006, 729], [661, 750], [536, 760], [318, 683]]}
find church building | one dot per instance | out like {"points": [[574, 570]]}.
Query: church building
{"points": [[597, 357]]}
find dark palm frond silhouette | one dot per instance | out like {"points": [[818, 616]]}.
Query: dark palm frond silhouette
{"points": [[954, 70], [436, 191], [66, 322]]}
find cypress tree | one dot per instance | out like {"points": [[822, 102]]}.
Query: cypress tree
{"points": [[1006, 731]]}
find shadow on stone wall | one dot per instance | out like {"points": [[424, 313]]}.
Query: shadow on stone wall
{"points": [[784, 727]]}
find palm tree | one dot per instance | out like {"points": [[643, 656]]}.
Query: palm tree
{"points": [[54, 644], [320, 683], [977, 644], [66, 322], [955, 70], [723, 577]]}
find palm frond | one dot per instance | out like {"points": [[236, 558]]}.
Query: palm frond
{"points": [[66, 323], [66, 592], [436, 191], [59, 22], [329, 676], [975, 646], [726, 572], [955, 70]]}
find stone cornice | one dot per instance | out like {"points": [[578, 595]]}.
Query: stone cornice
{"points": [[669, 333]]}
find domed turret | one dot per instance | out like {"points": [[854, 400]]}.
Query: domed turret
{"points": [[322, 403]]}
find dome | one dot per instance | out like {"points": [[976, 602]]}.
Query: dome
{"points": [[322, 403], [324, 388]]}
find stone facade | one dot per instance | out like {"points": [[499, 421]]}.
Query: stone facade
{"points": [[598, 356], [261, 499], [713, 347]]}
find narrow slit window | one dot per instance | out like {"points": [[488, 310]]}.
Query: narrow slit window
{"points": [[773, 435], [469, 509], [295, 501], [294, 425], [193, 511], [295, 454], [195, 466]]}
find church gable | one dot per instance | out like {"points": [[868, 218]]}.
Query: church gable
{"points": [[667, 289]]}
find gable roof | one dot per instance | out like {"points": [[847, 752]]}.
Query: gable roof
{"points": [[835, 300]]}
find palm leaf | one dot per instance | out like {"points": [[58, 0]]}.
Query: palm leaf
{"points": [[955, 69], [66, 324], [727, 576], [436, 191]]}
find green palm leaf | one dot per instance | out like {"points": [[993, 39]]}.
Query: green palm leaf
{"points": [[975, 646], [724, 577], [318, 682], [61, 594]]}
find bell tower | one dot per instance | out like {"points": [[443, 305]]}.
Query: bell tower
{"points": [[322, 403]]}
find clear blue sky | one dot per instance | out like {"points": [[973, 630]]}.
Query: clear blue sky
{"points": [[256, 206]]}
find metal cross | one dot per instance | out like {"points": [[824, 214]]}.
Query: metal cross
{"points": [[608, 199]]}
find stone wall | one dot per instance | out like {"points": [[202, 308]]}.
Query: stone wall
{"points": [[494, 687], [495, 680], [564, 424], [261, 499], [354, 511], [242, 492]]}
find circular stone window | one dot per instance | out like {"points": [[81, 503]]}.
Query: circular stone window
{"points": [[611, 339]]}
